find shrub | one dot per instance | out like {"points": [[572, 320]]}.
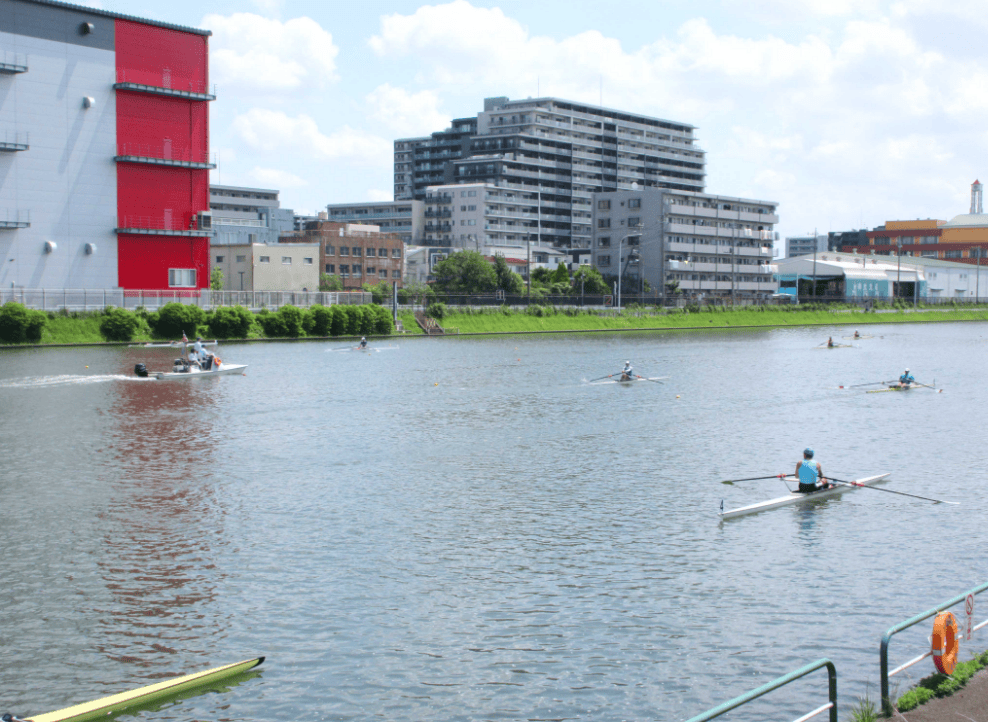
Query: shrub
{"points": [[294, 319], [338, 321], [19, 323], [230, 322], [383, 323], [174, 319], [272, 324], [119, 324], [366, 315], [322, 321], [437, 310], [352, 321]]}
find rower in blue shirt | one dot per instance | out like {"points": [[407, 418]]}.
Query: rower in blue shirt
{"points": [[808, 471], [906, 378]]}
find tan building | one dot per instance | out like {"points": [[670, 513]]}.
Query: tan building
{"points": [[358, 254], [261, 267]]}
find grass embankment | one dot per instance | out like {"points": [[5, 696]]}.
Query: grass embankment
{"points": [[496, 320]]}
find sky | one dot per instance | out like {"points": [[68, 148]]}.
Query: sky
{"points": [[847, 113]]}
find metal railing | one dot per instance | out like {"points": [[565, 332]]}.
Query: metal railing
{"points": [[164, 79], [161, 151], [98, 299], [781, 682], [884, 649]]}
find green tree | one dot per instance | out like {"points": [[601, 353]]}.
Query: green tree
{"points": [[507, 280], [561, 274], [593, 284], [216, 279], [672, 287], [118, 324], [330, 283], [230, 322], [380, 292], [465, 272], [18, 323], [174, 319], [415, 292], [542, 276]]}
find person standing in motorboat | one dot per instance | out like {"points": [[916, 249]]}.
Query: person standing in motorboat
{"points": [[808, 472], [205, 358]]}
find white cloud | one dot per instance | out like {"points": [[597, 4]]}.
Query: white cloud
{"points": [[271, 7], [407, 113], [275, 178], [255, 54], [272, 131], [379, 196]]}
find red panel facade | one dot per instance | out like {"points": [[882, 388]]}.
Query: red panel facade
{"points": [[149, 125]]}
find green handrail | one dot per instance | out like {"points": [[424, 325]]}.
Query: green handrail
{"points": [[883, 653], [775, 684]]}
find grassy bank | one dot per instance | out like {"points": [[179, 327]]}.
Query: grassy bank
{"points": [[494, 320]]}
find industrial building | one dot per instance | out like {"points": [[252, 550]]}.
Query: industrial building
{"points": [[104, 150]]}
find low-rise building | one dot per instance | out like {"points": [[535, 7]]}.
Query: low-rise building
{"points": [[405, 219], [357, 254], [704, 245], [268, 267]]}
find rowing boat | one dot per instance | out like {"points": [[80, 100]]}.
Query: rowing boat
{"points": [[836, 345], [794, 497], [894, 387], [857, 338], [100, 708], [171, 344], [628, 381]]}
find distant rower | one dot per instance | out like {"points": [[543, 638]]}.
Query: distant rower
{"points": [[830, 342], [906, 378], [627, 373], [857, 335], [808, 471]]}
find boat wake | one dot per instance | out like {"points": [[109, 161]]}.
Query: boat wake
{"points": [[41, 382]]}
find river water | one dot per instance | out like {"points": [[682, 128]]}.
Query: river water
{"points": [[464, 529]]}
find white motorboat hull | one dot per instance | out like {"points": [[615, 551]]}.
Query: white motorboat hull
{"points": [[794, 497], [223, 370]]}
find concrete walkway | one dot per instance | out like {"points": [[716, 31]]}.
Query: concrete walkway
{"points": [[970, 703]]}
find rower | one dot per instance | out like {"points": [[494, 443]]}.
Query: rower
{"points": [[830, 342], [857, 335], [906, 378], [808, 471], [627, 373], [363, 342]]}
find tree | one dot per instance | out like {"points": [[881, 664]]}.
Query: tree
{"points": [[672, 287], [330, 283], [542, 276], [561, 274], [465, 272], [507, 280], [593, 284], [216, 279]]}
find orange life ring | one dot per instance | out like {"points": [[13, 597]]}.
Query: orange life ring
{"points": [[216, 360], [945, 643]]}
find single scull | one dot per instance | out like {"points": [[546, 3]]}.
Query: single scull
{"points": [[100, 708], [794, 497]]}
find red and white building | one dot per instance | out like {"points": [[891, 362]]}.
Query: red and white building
{"points": [[104, 150]]}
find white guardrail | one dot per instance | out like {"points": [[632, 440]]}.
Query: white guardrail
{"points": [[73, 299]]}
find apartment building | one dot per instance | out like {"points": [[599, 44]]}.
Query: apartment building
{"points": [[358, 254], [405, 219], [708, 245], [244, 215], [803, 245], [556, 151], [104, 147]]}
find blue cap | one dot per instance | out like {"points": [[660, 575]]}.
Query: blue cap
{"points": [[807, 452]]}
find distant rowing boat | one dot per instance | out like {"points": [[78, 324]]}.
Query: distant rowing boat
{"points": [[100, 708], [658, 379], [795, 497], [171, 344], [856, 338], [836, 345], [895, 387]]}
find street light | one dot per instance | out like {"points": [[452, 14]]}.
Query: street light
{"points": [[620, 270]]}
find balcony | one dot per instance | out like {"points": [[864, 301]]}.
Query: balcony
{"points": [[11, 142], [163, 225], [13, 63], [162, 84], [14, 219], [161, 154]]}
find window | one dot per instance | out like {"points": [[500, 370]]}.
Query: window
{"points": [[603, 223], [463, 208], [264, 259], [396, 274], [382, 252], [396, 253], [355, 251], [471, 208], [330, 251], [344, 251], [371, 270], [471, 194], [356, 270], [604, 205], [344, 270], [286, 260], [952, 254], [471, 222], [241, 259], [634, 203], [182, 277], [219, 259], [252, 238], [634, 222], [306, 261], [382, 273], [604, 242], [330, 268], [603, 260]]}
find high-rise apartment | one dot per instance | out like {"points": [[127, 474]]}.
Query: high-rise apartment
{"points": [[556, 151]]}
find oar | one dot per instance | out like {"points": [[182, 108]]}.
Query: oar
{"points": [[890, 491], [602, 378], [754, 478], [870, 383], [643, 378]]}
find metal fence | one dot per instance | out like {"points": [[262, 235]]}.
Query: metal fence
{"points": [[831, 706], [967, 597], [96, 300]]}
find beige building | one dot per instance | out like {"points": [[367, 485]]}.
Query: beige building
{"points": [[356, 253], [261, 267]]}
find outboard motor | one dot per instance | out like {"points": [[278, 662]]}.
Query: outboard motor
{"points": [[141, 370], [180, 366]]}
